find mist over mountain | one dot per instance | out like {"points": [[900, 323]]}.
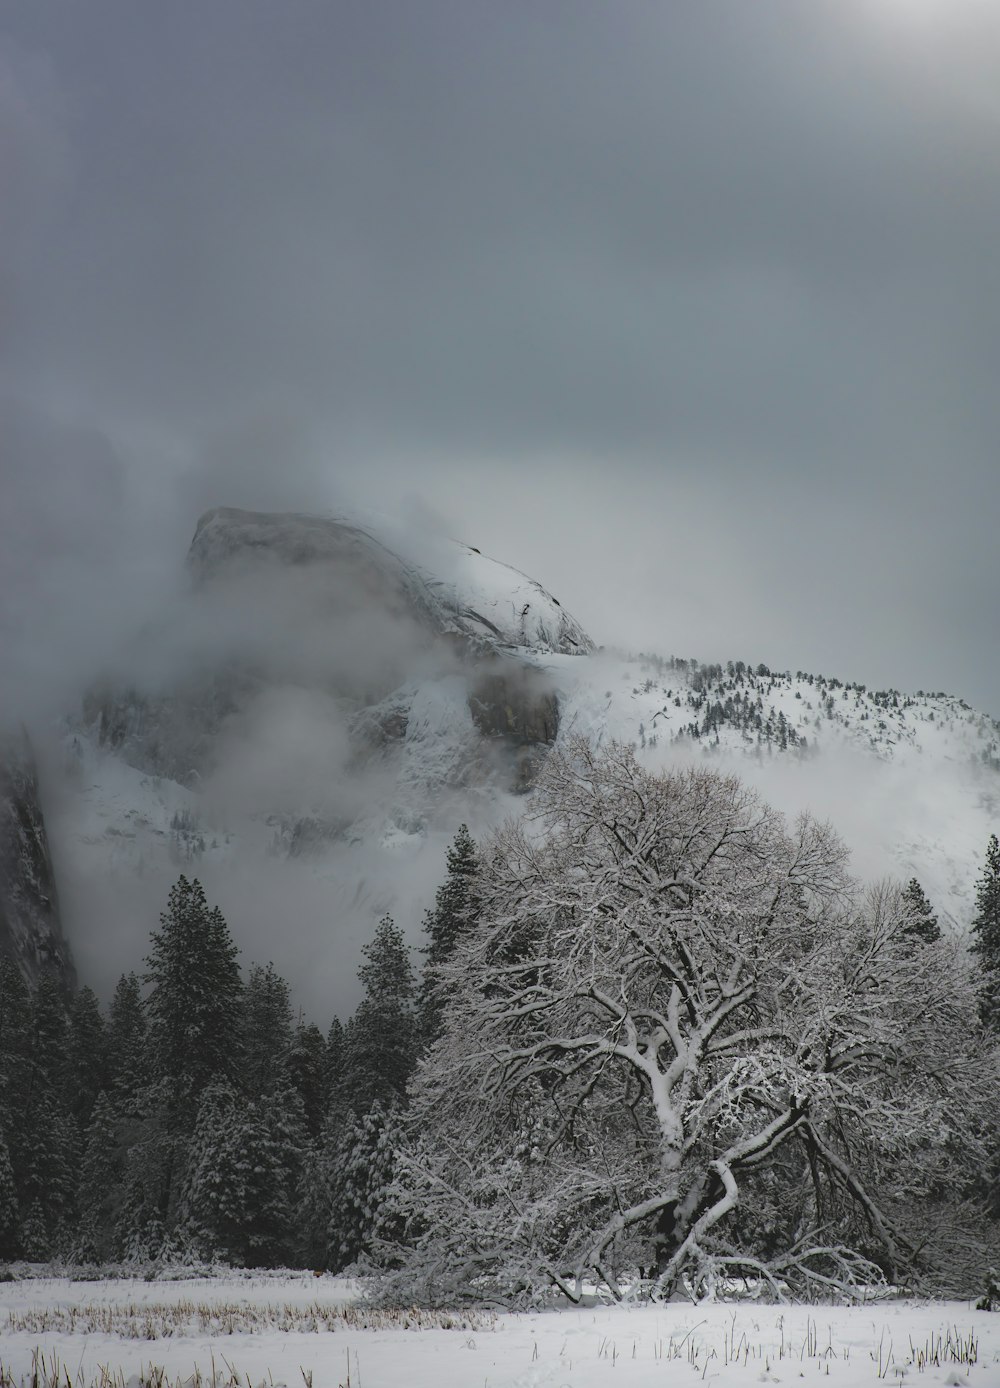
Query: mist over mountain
{"points": [[305, 720]]}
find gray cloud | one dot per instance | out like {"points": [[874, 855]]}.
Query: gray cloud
{"points": [[687, 311]]}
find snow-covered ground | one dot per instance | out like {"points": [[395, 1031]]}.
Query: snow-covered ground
{"points": [[211, 1328]]}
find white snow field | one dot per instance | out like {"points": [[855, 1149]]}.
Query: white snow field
{"points": [[229, 1331]]}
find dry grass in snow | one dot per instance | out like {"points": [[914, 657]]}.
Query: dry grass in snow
{"points": [[304, 1333]]}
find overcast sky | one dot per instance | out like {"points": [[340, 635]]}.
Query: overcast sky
{"points": [[689, 309]]}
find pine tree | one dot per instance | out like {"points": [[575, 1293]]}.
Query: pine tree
{"points": [[266, 1030], [276, 1179], [128, 1062], [380, 1044], [88, 1054], [9, 1217], [213, 1203], [363, 1170], [50, 1047], [194, 1041], [35, 1242], [194, 1004], [307, 1071], [154, 1146], [455, 910], [923, 926], [49, 1174], [312, 1212], [99, 1193], [986, 929], [48, 1136], [244, 1171], [333, 1064]]}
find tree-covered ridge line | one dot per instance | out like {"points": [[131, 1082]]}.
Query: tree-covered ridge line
{"points": [[746, 698], [656, 1033]]}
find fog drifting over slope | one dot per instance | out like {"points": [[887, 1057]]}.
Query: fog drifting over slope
{"points": [[297, 649], [232, 706], [679, 311]]}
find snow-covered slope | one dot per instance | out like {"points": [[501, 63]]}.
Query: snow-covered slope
{"points": [[911, 781], [492, 600], [308, 730]]}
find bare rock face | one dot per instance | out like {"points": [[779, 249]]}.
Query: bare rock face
{"points": [[352, 568], [515, 706], [30, 928]]}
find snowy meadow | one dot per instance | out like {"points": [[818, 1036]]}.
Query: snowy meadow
{"points": [[297, 1329]]}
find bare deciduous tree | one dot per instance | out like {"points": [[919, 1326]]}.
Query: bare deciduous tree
{"points": [[680, 1040]]}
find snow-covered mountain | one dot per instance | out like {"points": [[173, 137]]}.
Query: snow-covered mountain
{"points": [[305, 730]]}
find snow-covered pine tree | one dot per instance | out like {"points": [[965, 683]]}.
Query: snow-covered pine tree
{"points": [[363, 1171], [333, 1064], [142, 1134], [280, 1142], [36, 1243], [923, 925], [212, 1207], [307, 1071], [379, 1050], [380, 1043], [313, 1206], [88, 1055], [128, 1062], [154, 1147], [49, 1137], [50, 1163], [99, 1193], [266, 1030], [455, 909], [986, 929], [193, 1042], [50, 1037], [194, 1003], [243, 1172]]}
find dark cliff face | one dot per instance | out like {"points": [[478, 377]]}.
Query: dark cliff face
{"points": [[514, 705], [30, 928]]}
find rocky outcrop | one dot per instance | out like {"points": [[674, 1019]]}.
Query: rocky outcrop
{"points": [[30, 928], [347, 565], [515, 707]]}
